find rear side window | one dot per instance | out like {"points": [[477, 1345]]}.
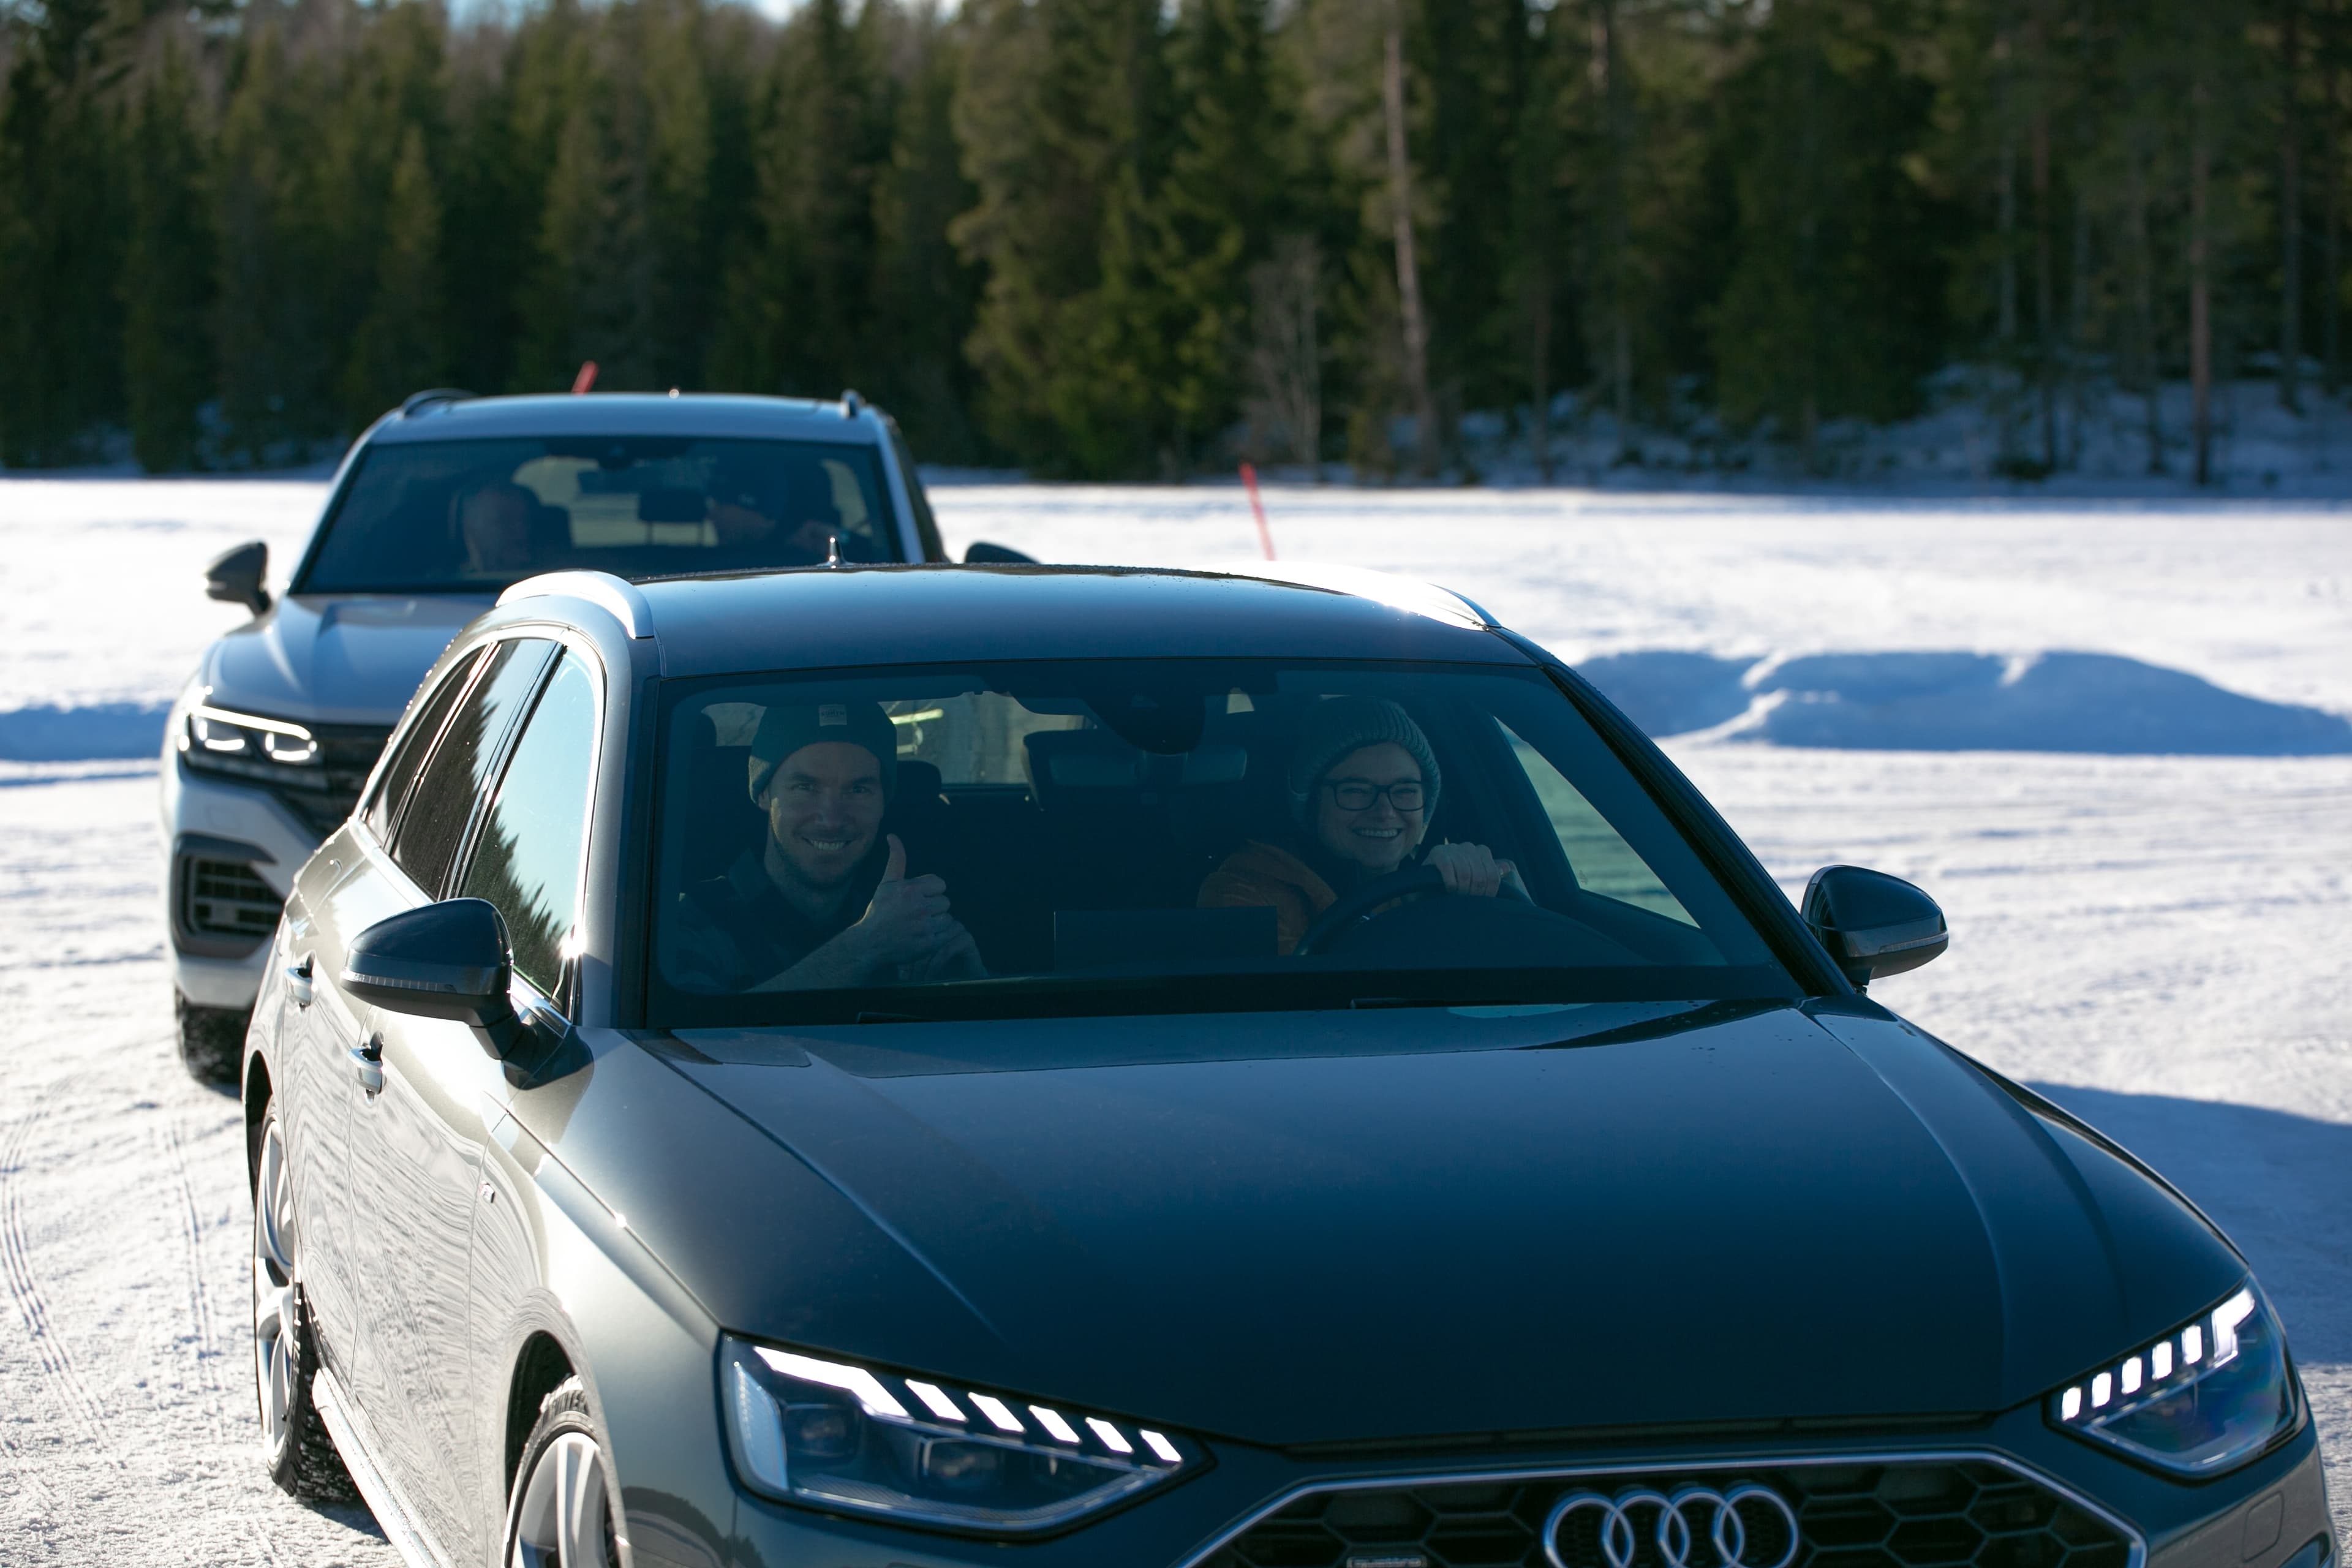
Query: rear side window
{"points": [[384, 812], [441, 803], [526, 859]]}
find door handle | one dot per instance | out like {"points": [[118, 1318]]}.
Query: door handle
{"points": [[298, 982], [367, 1062]]}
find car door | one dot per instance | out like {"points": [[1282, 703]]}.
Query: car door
{"points": [[320, 1029], [408, 1200], [419, 1156]]}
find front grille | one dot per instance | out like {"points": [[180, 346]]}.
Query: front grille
{"points": [[226, 899], [349, 752], [1957, 1514]]}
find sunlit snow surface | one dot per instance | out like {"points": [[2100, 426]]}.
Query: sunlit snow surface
{"points": [[2160, 941]]}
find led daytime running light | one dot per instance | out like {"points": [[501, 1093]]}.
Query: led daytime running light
{"points": [[2208, 1396], [842, 1436]]}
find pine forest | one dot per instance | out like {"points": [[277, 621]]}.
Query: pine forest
{"points": [[1148, 238]]}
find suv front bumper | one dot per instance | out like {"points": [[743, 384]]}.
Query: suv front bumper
{"points": [[231, 851]]}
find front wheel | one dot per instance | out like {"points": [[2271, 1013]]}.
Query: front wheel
{"points": [[295, 1444], [212, 1041], [562, 1514]]}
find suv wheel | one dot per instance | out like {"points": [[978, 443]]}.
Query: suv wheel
{"points": [[212, 1041]]}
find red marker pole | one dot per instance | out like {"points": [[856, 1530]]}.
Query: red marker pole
{"points": [[585, 379], [1257, 508]]}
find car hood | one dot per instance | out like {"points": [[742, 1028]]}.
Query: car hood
{"points": [[1315, 1228], [335, 659]]}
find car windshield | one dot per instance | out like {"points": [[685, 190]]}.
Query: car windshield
{"points": [[475, 516], [1036, 839]]}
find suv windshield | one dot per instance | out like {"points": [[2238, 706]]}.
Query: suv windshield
{"points": [[1164, 836], [475, 516]]}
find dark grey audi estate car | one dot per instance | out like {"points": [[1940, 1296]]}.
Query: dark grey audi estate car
{"points": [[900, 1067]]}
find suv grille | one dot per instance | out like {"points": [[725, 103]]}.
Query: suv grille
{"points": [[1963, 1514], [224, 898], [349, 752]]}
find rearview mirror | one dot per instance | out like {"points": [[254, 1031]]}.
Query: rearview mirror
{"points": [[982, 553], [1874, 925], [236, 576], [448, 960]]}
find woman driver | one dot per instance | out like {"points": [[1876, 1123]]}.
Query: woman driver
{"points": [[1362, 783]]}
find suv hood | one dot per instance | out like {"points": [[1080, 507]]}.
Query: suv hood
{"points": [[1342, 1227], [335, 659]]}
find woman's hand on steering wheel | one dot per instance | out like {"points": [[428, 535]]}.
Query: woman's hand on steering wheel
{"points": [[1472, 868]]}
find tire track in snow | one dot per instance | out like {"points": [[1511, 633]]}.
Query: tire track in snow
{"points": [[23, 1286]]}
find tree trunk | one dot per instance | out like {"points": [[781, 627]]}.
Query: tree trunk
{"points": [[2332, 216], [2200, 283], [1607, 58], [1416, 327], [2150, 367], [2045, 281], [2290, 215], [1540, 368], [2007, 285]]}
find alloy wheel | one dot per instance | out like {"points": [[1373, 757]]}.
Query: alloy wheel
{"points": [[562, 1519], [276, 1332]]}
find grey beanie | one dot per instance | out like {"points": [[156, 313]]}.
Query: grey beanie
{"points": [[785, 728], [1338, 725]]}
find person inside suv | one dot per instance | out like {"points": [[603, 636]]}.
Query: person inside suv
{"points": [[1362, 783], [826, 902], [494, 526], [784, 514]]}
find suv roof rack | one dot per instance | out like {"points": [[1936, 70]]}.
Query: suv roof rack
{"points": [[416, 401]]}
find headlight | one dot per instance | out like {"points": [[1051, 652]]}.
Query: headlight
{"points": [[2201, 1399], [249, 746], [863, 1440]]}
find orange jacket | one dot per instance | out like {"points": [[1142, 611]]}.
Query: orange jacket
{"points": [[1259, 873]]}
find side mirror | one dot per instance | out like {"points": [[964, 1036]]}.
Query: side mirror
{"points": [[236, 576], [448, 960], [1874, 925], [982, 553]]}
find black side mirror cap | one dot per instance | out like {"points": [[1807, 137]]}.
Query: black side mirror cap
{"points": [[236, 576], [1874, 925], [448, 960], [980, 552]]}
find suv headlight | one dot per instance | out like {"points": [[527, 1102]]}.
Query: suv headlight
{"points": [[2206, 1397], [247, 745], [863, 1440]]}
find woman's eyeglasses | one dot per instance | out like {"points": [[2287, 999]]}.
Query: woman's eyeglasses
{"points": [[1358, 794]]}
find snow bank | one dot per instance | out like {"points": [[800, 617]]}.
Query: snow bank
{"points": [[1958, 701]]}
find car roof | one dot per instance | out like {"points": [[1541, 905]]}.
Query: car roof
{"points": [[816, 618], [457, 417]]}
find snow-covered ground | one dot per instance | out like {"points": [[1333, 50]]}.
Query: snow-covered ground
{"points": [[2156, 939]]}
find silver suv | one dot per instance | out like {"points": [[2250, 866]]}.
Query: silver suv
{"points": [[437, 509]]}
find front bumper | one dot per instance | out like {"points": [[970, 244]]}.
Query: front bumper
{"points": [[212, 830], [1260, 1509]]}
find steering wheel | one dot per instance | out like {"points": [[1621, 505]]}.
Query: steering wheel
{"points": [[1411, 882]]}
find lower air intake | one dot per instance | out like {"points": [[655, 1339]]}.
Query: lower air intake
{"points": [[1964, 1514]]}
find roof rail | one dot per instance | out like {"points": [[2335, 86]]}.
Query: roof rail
{"points": [[616, 596], [416, 401], [1390, 588]]}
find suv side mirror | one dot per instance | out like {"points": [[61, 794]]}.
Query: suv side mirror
{"points": [[980, 552], [448, 960], [1873, 924], [236, 576]]}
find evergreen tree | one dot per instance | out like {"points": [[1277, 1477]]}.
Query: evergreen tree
{"points": [[167, 266], [61, 256], [1834, 304], [1056, 111], [800, 293], [402, 344]]}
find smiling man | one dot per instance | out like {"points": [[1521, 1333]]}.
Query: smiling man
{"points": [[826, 900]]}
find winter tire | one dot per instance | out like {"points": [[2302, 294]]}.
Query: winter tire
{"points": [[212, 1041], [301, 1457], [562, 1512]]}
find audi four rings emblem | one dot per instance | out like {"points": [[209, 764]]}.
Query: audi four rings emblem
{"points": [[1677, 1521]]}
